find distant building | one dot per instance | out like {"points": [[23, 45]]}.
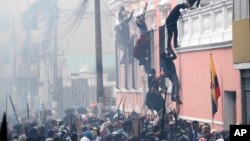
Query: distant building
{"points": [[79, 81], [204, 31], [18, 59]]}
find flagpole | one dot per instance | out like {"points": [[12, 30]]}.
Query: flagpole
{"points": [[215, 89], [212, 121], [212, 111], [6, 103], [14, 110], [123, 107], [28, 112], [211, 95], [163, 115]]}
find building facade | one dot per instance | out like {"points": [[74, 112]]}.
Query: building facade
{"points": [[202, 31], [18, 60], [131, 79], [27, 53], [241, 48], [79, 81]]}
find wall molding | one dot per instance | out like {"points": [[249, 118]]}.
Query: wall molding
{"points": [[130, 91], [202, 120], [220, 45], [242, 66]]}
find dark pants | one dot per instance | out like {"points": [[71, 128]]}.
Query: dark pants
{"points": [[126, 48], [172, 29], [175, 85]]}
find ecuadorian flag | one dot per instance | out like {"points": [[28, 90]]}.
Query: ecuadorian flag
{"points": [[215, 88]]}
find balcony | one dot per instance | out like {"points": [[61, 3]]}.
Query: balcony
{"points": [[207, 25]]}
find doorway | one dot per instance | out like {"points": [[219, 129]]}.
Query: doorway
{"points": [[229, 109]]}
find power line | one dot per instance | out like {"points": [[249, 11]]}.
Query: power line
{"points": [[76, 18]]}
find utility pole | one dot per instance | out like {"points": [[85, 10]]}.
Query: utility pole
{"points": [[55, 101], [29, 97], [99, 69], [13, 41]]}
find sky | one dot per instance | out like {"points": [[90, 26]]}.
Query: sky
{"points": [[82, 37], [73, 39], [80, 40]]}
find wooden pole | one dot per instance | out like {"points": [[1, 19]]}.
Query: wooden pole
{"points": [[99, 68]]}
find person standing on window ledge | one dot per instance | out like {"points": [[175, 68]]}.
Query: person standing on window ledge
{"points": [[171, 24]]}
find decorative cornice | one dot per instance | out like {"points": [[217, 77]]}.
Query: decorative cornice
{"points": [[202, 120], [123, 90], [242, 66], [215, 6], [227, 44]]}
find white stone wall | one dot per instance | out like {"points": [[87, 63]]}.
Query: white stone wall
{"points": [[207, 25]]}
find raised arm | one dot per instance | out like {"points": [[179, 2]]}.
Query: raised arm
{"points": [[131, 16], [145, 8], [127, 20]]}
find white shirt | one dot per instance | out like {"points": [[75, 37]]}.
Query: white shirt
{"points": [[84, 139]]}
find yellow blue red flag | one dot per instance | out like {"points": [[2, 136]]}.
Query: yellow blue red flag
{"points": [[215, 88]]}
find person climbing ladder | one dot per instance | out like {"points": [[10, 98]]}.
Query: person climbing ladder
{"points": [[169, 70], [123, 39]]}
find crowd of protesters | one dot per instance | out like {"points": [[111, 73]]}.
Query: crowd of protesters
{"points": [[81, 125]]}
